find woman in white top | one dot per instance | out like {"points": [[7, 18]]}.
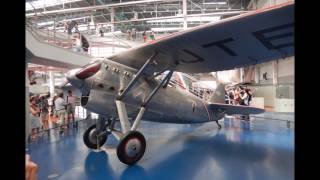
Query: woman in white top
{"points": [[244, 98], [60, 108]]}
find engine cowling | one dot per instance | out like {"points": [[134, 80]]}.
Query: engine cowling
{"points": [[98, 102]]}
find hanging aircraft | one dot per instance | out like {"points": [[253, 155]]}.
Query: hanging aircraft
{"points": [[126, 85]]}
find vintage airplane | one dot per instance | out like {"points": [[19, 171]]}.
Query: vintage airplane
{"points": [[125, 84]]}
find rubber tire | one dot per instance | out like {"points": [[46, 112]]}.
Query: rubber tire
{"points": [[121, 152], [87, 141]]}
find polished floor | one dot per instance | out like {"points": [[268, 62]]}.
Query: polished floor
{"points": [[260, 149]]}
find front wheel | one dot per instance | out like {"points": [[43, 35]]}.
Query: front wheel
{"points": [[131, 147], [91, 140]]}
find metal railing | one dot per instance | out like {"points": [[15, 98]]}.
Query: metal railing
{"points": [[203, 93], [80, 115], [50, 37], [97, 45]]}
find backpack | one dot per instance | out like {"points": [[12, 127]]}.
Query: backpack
{"points": [[85, 43], [250, 97]]}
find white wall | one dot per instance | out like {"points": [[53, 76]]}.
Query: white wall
{"points": [[286, 67], [266, 67], [267, 3], [38, 89], [285, 71], [267, 92], [280, 1], [262, 3], [284, 105]]}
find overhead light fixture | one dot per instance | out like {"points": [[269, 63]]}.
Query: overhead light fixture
{"points": [[215, 3]]}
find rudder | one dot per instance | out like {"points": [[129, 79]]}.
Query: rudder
{"points": [[219, 94]]}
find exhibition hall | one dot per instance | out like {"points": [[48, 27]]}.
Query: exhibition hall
{"points": [[159, 89]]}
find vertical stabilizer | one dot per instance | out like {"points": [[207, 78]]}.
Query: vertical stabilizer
{"points": [[219, 94]]}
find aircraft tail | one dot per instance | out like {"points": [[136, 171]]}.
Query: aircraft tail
{"points": [[219, 94]]}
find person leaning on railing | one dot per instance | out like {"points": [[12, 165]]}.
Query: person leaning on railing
{"points": [[34, 117], [80, 43], [85, 43], [76, 43]]}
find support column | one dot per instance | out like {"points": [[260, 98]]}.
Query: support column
{"points": [[51, 83], [275, 72], [184, 10], [217, 76], [112, 19], [254, 6], [241, 75], [44, 6], [256, 74], [54, 30], [156, 10], [112, 28], [27, 120]]}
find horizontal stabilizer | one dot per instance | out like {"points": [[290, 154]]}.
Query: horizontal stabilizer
{"points": [[219, 94], [235, 109]]}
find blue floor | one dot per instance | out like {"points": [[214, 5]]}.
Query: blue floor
{"points": [[260, 149]]}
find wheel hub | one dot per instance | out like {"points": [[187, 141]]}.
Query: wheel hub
{"points": [[93, 136], [133, 147]]}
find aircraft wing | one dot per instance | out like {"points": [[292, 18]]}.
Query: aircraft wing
{"points": [[234, 109], [251, 38]]}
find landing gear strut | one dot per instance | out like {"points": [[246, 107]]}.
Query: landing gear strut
{"points": [[219, 125], [91, 138], [96, 135], [132, 144]]}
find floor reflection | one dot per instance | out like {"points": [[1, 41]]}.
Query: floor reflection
{"points": [[252, 149]]}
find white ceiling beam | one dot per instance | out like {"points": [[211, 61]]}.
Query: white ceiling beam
{"points": [[92, 8]]}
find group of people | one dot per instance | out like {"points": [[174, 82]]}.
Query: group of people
{"points": [[43, 111], [39, 110], [132, 35], [63, 109], [70, 26], [238, 96], [151, 36]]}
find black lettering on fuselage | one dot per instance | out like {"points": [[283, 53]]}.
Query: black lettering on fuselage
{"points": [[267, 41], [221, 45]]}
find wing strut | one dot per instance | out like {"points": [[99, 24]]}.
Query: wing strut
{"points": [[121, 107], [122, 112], [137, 76]]}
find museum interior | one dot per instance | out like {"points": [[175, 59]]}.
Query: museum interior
{"points": [[87, 60]]}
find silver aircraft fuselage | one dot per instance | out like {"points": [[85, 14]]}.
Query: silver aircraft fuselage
{"points": [[170, 104]]}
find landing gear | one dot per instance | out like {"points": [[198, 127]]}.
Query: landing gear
{"points": [[245, 117], [132, 143], [219, 125], [91, 138], [131, 147]]}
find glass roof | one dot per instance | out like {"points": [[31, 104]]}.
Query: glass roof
{"points": [[46, 3]]}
